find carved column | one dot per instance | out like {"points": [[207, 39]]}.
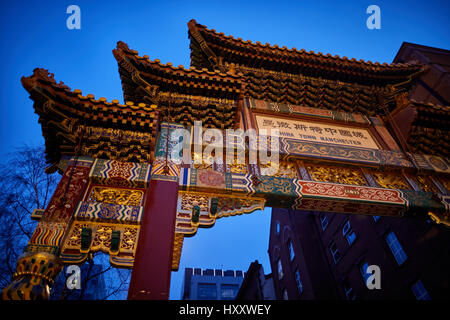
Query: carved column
{"points": [[150, 279], [39, 264]]}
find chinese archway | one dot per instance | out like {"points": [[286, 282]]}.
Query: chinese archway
{"points": [[350, 141]]}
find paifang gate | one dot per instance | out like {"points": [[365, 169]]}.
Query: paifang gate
{"points": [[121, 192]]}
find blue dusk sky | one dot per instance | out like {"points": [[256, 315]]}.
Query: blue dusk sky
{"points": [[34, 34]]}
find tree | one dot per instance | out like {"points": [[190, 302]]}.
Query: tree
{"points": [[24, 186], [98, 281]]}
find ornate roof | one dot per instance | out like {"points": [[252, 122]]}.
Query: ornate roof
{"points": [[96, 126], [183, 95], [224, 71], [312, 92], [213, 50], [298, 77], [140, 74], [430, 129], [424, 128]]}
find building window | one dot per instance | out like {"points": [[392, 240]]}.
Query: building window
{"points": [[299, 281], [363, 268], [396, 248], [228, 291], [285, 294], [323, 221], [291, 250], [349, 292], [420, 292], [198, 271], [334, 251], [207, 291], [280, 269], [348, 233], [376, 218], [229, 273]]}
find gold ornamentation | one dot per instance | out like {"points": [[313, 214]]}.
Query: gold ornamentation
{"points": [[273, 185], [440, 218], [305, 148], [207, 164], [391, 180], [425, 184], [74, 238], [237, 167], [285, 169], [128, 197], [188, 201], [107, 150], [129, 239], [117, 144], [166, 96], [445, 183], [199, 163], [402, 99], [101, 238], [177, 247], [227, 205], [352, 176]]}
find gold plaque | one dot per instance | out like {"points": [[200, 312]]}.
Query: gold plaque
{"points": [[317, 132], [120, 196]]}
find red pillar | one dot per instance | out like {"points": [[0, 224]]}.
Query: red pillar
{"points": [[150, 279]]}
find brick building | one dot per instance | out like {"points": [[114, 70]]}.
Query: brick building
{"points": [[325, 255], [256, 284]]}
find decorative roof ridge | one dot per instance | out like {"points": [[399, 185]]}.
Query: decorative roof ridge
{"points": [[435, 106], [121, 46], [306, 77], [193, 24], [184, 97], [40, 74], [345, 116]]}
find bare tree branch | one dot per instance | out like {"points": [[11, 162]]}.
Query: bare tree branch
{"points": [[24, 186]]}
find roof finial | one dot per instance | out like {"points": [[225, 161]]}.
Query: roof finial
{"points": [[232, 69]]}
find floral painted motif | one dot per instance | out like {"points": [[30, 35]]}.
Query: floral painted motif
{"points": [[211, 178]]}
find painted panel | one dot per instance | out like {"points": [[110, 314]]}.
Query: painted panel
{"points": [[318, 132]]}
